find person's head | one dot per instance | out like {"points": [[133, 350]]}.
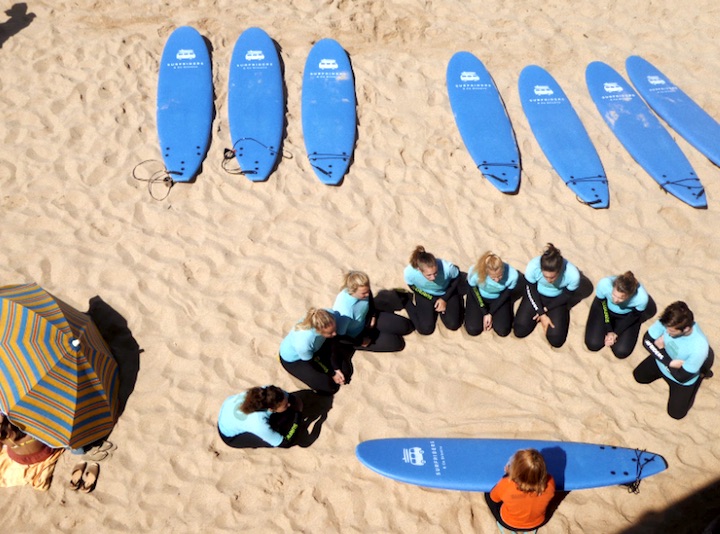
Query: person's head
{"points": [[624, 287], [551, 263], [490, 264], [677, 319], [527, 469], [424, 262], [357, 284], [259, 399], [9, 430], [319, 319]]}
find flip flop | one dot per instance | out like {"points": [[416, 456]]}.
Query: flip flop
{"points": [[76, 477], [89, 477]]}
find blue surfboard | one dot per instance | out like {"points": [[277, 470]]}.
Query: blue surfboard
{"points": [[642, 135], [184, 103], [478, 464], [483, 121], [675, 107], [562, 136], [256, 104], [329, 118]]}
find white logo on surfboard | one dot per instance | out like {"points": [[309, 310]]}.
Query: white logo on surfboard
{"points": [[327, 64], [185, 54], [655, 80], [469, 76], [413, 456], [612, 87], [254, 55], [542, 90]]}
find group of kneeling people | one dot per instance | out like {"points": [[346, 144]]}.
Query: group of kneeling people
{"points": [[318, 350]]}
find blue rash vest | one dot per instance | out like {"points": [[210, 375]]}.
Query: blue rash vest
{"points": [[569, 278], [303, 344], [354, 311], [445, 274], [693, 349], [232, 421], [490, 289], [638, 301]]}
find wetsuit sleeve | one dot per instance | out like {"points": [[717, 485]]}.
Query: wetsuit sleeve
{"points": [[627, 321], [423, 294], [498, 302], [660, 354], [474, 293], [533, 296], [606, 315], [372, 311], [451, 289]]}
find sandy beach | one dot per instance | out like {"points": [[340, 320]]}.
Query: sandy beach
{"points": [[211, 279]]}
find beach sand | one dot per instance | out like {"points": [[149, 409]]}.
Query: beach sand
{"points": [[212, 278]]}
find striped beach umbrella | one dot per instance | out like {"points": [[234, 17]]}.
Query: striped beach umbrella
{"points": [[58, 379]]}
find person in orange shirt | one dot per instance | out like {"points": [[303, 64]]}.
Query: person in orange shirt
{"points": [[520, 499]]}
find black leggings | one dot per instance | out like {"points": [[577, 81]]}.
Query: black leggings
{"points": [[424, 316], [502, 319], [314, 373], [681, 397], [595, 331], [387, 335], [560, 316]]}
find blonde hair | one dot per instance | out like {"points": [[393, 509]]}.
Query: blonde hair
{"points": [[317, 318], [353, 280], [528, 470], [421, 258], [488, 262]]}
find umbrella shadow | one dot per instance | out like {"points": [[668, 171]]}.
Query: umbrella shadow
{"points": [[114, 329], [314, 415], [18, 21]]}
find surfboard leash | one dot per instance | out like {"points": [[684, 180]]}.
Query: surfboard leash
{"points": [[640, 463], [230, 153], [160, 176], [493, 176]]}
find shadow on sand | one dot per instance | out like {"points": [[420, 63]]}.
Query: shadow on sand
{"points": [[18, 21]]}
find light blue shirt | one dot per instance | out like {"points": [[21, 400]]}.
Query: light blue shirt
{"points": [[445, 274], [353, 310], [303, 344], [232, 421], [490, 289], [693, 349], [638, 301], [569, 278]]}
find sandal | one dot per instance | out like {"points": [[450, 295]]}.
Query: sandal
{"points": [[89, 477], [76, 477]]}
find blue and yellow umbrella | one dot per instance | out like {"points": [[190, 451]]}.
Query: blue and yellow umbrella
{"points": [[58, 379]]}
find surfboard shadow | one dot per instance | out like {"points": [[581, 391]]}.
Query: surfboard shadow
{"points": [[18, 21]]}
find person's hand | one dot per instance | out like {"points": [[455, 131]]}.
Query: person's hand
{"points": [[610, 339], [440, 305], [366, 342], [676, 364], [373, 322], [546, 322], [660, 342], [339, 377], [487, 322]]}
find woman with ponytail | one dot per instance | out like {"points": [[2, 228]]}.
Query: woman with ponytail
{"points": [[259, 417], [434, 283], [550, 281], [488, 305], [308, 351]]}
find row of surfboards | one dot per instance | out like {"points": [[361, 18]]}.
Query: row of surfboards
{"points": [[256, 106], [562, 136], [256, 116]]}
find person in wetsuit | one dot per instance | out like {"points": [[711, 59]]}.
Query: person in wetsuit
{"points": [[488, 305]]}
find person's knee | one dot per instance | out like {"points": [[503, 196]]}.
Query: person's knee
{"points": [[503, 331], [452, 324], [473, 330], [621, 352], [425, 329], [556, 340]]}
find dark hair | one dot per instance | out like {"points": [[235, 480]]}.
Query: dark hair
{"points": [[9, 430], [258, 399], [677, 315], [626, 283], [551, 259], [419, 258]]}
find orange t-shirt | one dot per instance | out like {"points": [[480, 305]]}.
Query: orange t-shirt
{"points": [[520, 509]]}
